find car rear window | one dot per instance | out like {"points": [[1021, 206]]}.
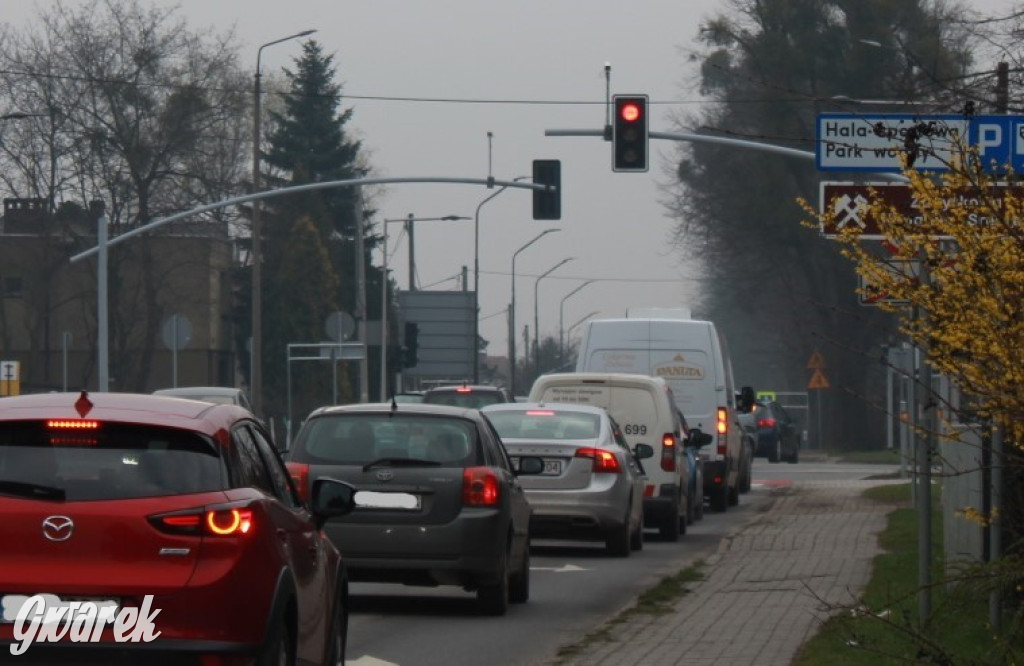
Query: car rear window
{"points": [[350, 439], [110, 461], [545, 424], [470, 398]]}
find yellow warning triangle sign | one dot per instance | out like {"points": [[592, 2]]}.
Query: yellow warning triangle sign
{"points": [[816, 361], [818, 380]]}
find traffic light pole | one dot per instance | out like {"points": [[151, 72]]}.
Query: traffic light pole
{"points": [[104, 244], [722, 140]]}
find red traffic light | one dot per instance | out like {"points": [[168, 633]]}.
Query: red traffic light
{"points": [[630, 112]]}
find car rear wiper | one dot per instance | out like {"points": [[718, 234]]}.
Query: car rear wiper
{"points": [[32, 490], [400, 462]]}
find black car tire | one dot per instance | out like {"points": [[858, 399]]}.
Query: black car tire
{"points": [[698, 506], [774, 452], [519, 589], [493, 598], [691, 510], [339, 632], [720, 498], [279, 650], [617, 542], [636, 540], [669, 530], [734, 496], [795, 458]]}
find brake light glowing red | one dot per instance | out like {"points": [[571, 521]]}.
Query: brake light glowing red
{"points": [[668, 452], [216, 521], [463, 389], [72, 424], [605, 462], [480, 487], [231, 521], [300, 475], [539, 412], [766, 423]]}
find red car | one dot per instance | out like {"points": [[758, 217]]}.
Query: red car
{"points": [[181, 509]]}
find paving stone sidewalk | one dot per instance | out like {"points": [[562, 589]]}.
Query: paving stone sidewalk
{"points": [[766, 590]]}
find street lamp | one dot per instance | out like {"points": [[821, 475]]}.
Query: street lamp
{"points": [[476, 279], [512, 311], [568, 333], [384, 293], [561, 319], [256, 346], [536, 311]]}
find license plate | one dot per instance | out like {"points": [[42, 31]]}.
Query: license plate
{"points": [[10, 604], [551, 467], [369, 499]]}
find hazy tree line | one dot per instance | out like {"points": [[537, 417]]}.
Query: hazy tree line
{"points": [[769, 67], [124, 102]]}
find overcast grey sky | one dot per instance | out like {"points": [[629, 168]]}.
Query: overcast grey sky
{"points": [[527, 53]]}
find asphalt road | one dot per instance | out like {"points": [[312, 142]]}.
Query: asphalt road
{"points": [[574, 588]]}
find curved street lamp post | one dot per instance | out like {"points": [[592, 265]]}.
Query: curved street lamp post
{"points": [[256, 344], [536, 311], [512, 312], [561, 320]]}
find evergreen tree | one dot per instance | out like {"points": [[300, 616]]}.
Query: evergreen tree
{"points": [[308, 144], [302, 293]]}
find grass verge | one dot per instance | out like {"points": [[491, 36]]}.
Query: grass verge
{"points": [[657, 600], [885, 628]]}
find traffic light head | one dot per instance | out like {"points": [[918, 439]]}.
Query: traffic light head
{"points": [[629, 133], [547, 204], [412, 346]]}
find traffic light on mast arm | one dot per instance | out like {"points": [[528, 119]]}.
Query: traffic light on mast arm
{"points": [[410, 350], [547, 203], [629, 133]]}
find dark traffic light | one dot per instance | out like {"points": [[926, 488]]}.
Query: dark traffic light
{"points": [[629, 133], [547, 204], [411, 348]]}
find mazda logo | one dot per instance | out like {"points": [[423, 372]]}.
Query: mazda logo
{"points": [[385, 475], [58, 528]]}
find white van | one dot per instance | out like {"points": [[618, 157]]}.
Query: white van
{"points": [[642, 406], [692, 357]]}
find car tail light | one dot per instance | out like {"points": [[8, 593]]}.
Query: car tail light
{"points": [[604, 461], [668, 452], [648, 490], [480, 487], [463, 389], [723, 430], [766, 423], [213, 521], [72, 424], [300, 475]]}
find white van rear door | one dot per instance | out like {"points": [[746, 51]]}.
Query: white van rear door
{"points": [[690, 375]]}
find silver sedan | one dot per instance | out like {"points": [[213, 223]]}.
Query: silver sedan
{"points": [[592, 485]]}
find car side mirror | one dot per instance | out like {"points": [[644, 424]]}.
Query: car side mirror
{"points": [[643, 451], [699, 438], [530, 465], [747, 399], [332, 498]]}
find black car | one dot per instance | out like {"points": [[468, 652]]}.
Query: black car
{"points": [[778, 435], [467, 395], [437, 500]]}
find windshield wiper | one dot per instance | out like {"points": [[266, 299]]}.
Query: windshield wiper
{"points": [[400, 462], [32, 490]]}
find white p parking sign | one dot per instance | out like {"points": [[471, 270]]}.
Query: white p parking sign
{"points": [[1000, 142]]}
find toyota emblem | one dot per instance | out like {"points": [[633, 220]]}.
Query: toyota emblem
{"points": [[385, 475], [58, 528]]}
